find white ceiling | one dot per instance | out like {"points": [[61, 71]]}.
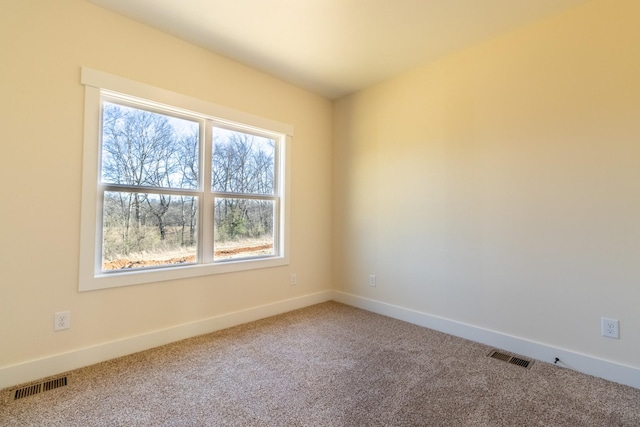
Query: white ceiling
{"points": [[336, 47]]}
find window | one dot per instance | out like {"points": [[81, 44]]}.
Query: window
{"points": [[177, 187]]}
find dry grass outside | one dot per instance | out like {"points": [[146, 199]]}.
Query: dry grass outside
{"points": [[145, 243]]}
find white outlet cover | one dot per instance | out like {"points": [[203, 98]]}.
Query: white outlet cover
{"points": [[61, 320], [372, 280], [610, 328]]}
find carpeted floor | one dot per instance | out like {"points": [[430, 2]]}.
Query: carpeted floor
{"points": [[326, 365]]}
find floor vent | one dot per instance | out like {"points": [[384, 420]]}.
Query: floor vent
{"points": [[33, 389], [514, 360]]}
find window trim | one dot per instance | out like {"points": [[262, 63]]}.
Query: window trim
{"points": [[90, 277]]}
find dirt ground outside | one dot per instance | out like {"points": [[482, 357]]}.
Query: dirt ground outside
{"points": [[222, 253]]}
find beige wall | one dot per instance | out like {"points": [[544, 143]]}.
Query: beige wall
{"points": [[43, 44], [500, 187]]}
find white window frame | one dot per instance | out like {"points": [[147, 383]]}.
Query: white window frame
{"points": [[91, 276]]}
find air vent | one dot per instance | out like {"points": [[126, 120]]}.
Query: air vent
{"points": [[514, 360], [33, 389]]}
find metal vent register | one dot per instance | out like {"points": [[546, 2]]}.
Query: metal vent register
{"points": [[37, 388], [514, 360]]}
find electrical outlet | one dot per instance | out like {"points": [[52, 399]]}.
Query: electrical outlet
{"points": [[610, 328], [294, 279], [372, 280], [61, 320]]}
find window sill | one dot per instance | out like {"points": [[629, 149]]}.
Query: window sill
{"points": [[135, 277]]}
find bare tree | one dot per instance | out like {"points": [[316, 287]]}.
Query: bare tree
{"points": [[188, 152], [143, 149], [244, 164]]}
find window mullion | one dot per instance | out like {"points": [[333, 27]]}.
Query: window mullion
{"points": [[207, 205], [151, 190], [244, 196]]}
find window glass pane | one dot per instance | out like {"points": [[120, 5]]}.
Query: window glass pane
{"points": [[143, 148], [147, 230], [243, 228], [242, 163]]}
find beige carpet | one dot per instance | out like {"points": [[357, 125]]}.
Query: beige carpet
{"points": [[326, 365]]}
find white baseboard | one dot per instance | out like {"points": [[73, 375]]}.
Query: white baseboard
{"points": [[52, 365], [568, 359]]}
